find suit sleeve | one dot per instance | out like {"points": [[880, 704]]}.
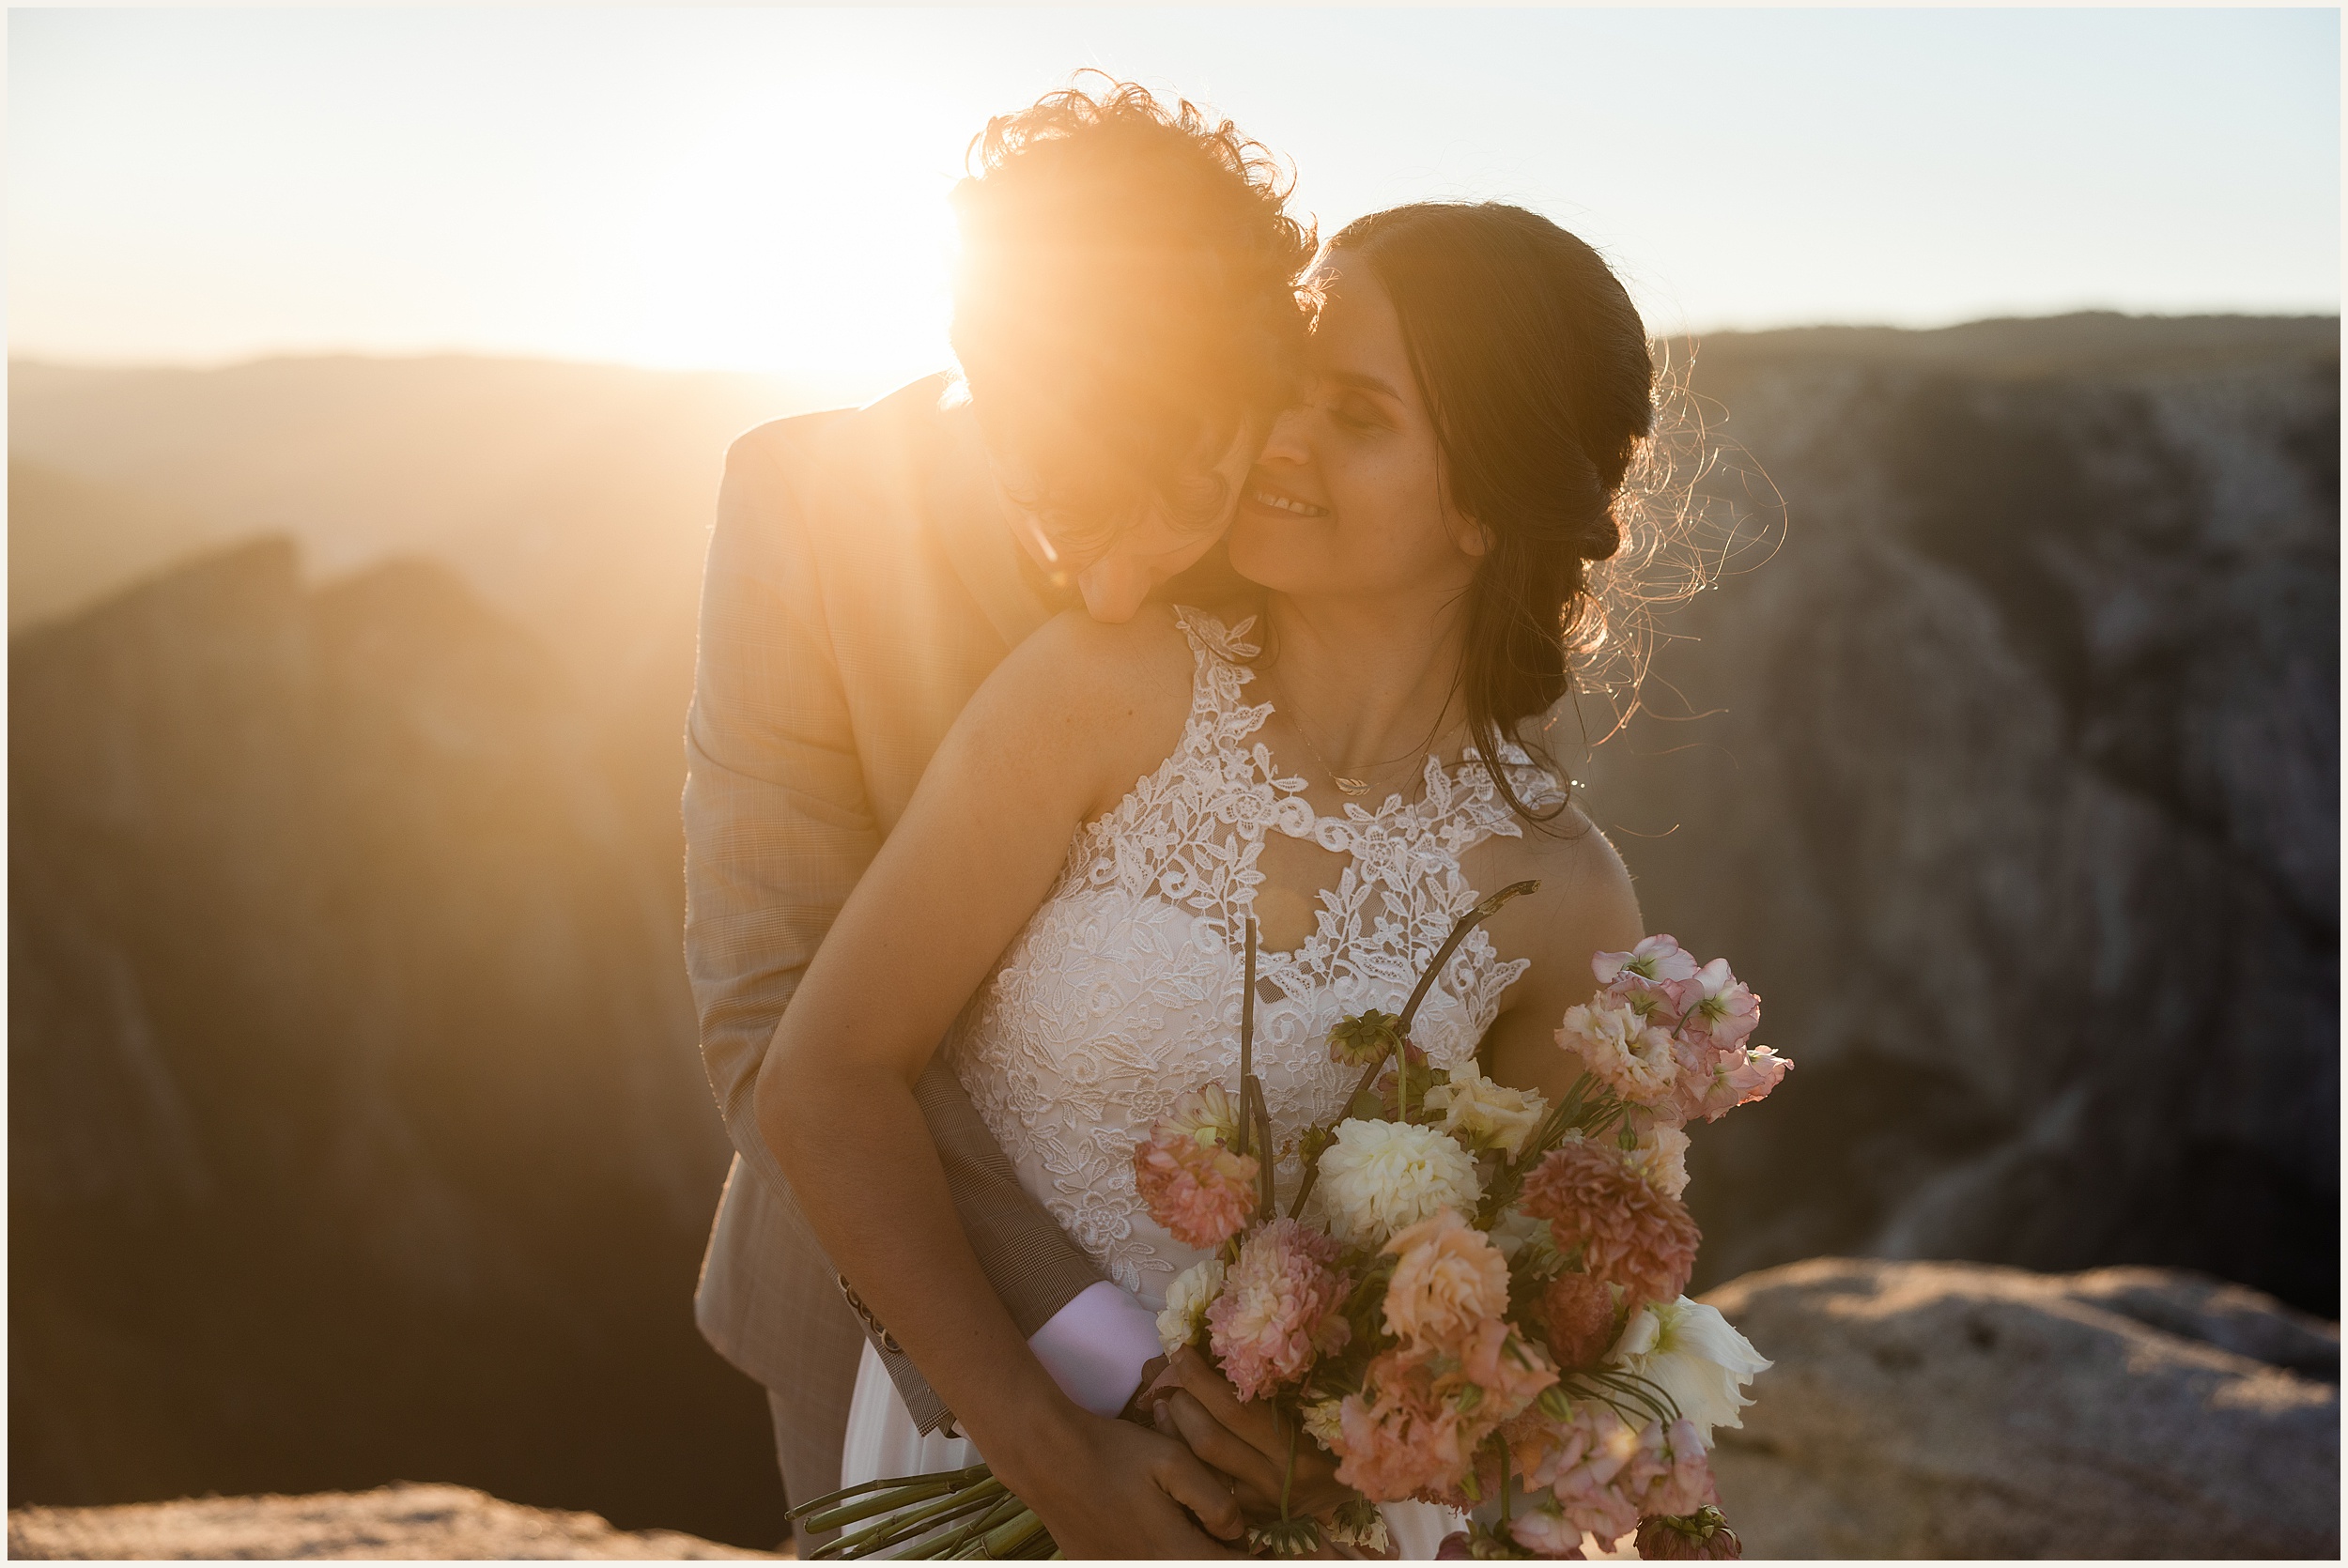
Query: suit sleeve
{"points": [[778, 828]]}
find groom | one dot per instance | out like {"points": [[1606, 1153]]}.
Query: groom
{"points": [[1126, 325]]}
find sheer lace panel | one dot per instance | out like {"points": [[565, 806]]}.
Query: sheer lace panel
{"points": [[1122, 992]]}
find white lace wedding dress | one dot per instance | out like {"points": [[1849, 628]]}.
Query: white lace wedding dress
{"points": [[1123, 993]]}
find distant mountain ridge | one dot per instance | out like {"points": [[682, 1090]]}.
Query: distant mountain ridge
{"points": [[575, 497]]}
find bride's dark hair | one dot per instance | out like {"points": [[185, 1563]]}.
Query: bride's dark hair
{"points": [[1535, 365]]}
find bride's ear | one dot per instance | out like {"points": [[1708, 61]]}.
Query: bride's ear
{"points": [[1474, 540]]}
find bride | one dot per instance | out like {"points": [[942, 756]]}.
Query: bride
{"points": [[1348, 759]]}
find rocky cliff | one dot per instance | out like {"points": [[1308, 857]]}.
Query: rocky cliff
{"points": [[1934, 1410], [2009, 775], [1915, 1409], [356, 1125], [393, 1523]]}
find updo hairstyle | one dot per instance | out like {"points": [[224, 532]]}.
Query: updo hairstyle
{"points": [[1535, 365]]}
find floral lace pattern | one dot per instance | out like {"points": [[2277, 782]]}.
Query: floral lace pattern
{"points": [[1124, 990]]}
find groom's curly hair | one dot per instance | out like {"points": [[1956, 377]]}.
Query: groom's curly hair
{"points": [[1125, 302]]}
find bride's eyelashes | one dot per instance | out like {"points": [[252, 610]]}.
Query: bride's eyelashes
{"points": [[1355, 414]]}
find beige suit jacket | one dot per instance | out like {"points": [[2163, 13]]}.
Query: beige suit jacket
{"points": [[860, 586]]}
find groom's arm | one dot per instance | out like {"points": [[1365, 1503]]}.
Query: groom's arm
{"points": [[777, 831]]}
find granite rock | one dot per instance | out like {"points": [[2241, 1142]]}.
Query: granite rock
{"points": [[404, 1521], [1944, 1409]]}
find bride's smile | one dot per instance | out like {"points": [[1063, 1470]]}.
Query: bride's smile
{"points": [[1268, 496]]}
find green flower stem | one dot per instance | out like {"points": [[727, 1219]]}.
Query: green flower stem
{"points": [[1475, 916], [831, 1499], [970, 1541], [880, 1502], [949, 1544], [1288, 1477], [1005, 1539], [1247, 1042], [903, 1526]]}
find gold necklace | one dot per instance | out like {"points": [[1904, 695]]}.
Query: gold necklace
{"points": [[1346, 785]]}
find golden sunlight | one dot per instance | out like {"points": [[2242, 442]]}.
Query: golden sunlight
{"points": [[749, 254]]}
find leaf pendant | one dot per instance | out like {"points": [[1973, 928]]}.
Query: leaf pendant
{"points": [[1349, 786]]}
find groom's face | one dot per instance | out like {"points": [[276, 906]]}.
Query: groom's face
{"points": [[1117, 570]]}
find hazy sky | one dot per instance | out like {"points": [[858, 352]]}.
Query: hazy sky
{"points": [[764, 189]]}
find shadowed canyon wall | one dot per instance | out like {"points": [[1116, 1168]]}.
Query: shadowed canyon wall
{"points": [[356, 1130], [2011, 782]]}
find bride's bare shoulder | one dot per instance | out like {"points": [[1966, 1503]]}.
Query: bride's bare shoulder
{"points": [[1078, 662], [1586, 901], [1108, 699]]}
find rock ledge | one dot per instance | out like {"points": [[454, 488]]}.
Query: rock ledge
{"points": [[404, 1520]]}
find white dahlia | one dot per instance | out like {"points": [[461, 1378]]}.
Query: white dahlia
{"points": [[1379, 1177]]}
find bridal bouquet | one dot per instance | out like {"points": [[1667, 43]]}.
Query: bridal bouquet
{"points": [[1484, 1309]]}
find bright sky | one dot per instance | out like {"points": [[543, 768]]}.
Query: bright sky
{"points": [[764, 189]]}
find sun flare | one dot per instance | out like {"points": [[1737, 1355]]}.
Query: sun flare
{"points": [[745, 256]]}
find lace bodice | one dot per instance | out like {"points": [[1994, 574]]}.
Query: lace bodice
{"points": [[1122, 992]]}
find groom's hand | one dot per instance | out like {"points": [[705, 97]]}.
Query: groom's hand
{"points": [[1111, 1488], [1245, 1439]]}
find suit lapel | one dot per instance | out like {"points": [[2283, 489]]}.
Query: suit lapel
{"points": [[968, 518]]}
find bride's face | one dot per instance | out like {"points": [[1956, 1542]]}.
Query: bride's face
{"points": [[1348, 497]]}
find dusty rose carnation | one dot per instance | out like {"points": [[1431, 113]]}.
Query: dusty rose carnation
{"points": [[1509, 1372], [1401, 1436], [1622, 1050], [1579, 1310], [1541, 1530], [1423, 1414], [1669, 1474], [1577, 1460], [1703, 1536], [1449, 1279], [1714, 1083], [1279, 1308], [1202, 1193], [1629, 1233]]}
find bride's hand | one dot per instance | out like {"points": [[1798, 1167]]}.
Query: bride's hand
{"points": [[1109, 1488], [1245, 1440]]}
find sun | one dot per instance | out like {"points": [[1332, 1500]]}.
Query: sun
{"points": [[764, 249]]}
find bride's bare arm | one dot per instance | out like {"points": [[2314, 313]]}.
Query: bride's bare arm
{"points": [[1584, 905], [1071, 712]]}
